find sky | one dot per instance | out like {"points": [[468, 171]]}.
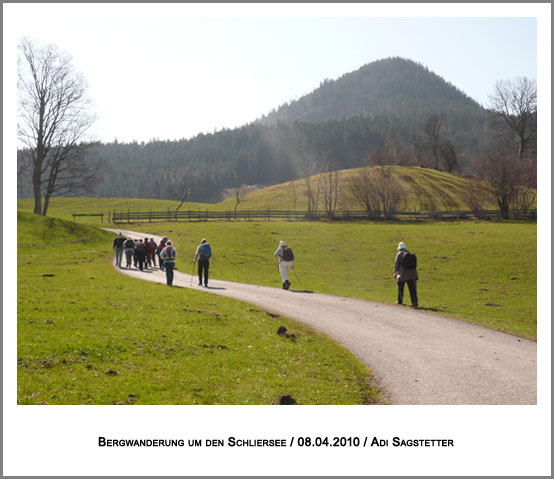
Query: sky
{"points": [[173, 71]]}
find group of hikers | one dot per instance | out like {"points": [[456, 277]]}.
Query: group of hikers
{"points": [[143, 254]]}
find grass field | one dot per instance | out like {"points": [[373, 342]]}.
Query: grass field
{"points": [[87, 334], [482, 272]]}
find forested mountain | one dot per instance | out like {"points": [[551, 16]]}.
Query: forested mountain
{"points": [[395, 90], [379, 113]]}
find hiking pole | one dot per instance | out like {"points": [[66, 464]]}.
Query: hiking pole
{"points": [[191, 274], [294, 270]]}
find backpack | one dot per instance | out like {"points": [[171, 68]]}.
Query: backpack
{"points": [[167, 253], [288, 255], [205, 251], [409, 260]]}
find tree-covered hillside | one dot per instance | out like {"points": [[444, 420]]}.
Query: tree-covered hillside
{"points": [[395, 89], [387, 112]]}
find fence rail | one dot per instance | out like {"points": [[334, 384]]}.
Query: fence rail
{"points": [[292, 215]]}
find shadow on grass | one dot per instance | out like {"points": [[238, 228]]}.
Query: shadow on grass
{"points": [[436, 310], [300, 291]]}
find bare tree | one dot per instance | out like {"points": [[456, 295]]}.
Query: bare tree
{"points": [[419, 146], [391, 152], [378, 190], [501, 170], [239, 190], [294, 190], [432, 129], [390, 192], [514, 103], [361, 188], [182, 185], [449, 156], [309, 174], [526, 197], [54, 118], [475, 195], [330, 182], [69, 171]]}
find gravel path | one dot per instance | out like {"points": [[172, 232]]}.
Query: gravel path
{"points": [[416, 357]]}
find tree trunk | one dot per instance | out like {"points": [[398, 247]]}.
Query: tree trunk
{"points": [[37, 192], [46, 204]]}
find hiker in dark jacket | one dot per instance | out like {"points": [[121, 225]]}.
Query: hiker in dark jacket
{"points": [[404, 275], [141, 254], [129, 246], [159, 250], [286, 262], [118, 246], [154, 251], [203, 255]]}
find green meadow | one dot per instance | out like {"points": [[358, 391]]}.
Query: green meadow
{"points": [[481, 272], [87, 334], [90, 335]]}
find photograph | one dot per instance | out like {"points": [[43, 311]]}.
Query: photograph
{"points": [[227, 208]]}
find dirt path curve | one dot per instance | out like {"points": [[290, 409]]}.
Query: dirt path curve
{"points": [[416, 357]]}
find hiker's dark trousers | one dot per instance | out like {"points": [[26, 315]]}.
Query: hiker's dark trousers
{"points": [[141, 258], [203, 265], [412, 286], [169, 265], [118, 255]]}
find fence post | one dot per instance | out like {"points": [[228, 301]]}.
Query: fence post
{"points": [[128, 215], [206, 214], [102, 218], [150, 216], [268, 215]]}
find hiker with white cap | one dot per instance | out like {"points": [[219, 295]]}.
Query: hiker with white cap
{"points": [[168, 255], [286, 262], [203, 255], [405, 271]]}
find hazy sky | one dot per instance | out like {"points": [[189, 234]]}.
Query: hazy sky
{"points": [[176, 70]]}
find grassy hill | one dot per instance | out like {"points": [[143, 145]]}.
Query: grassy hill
{"points": [[426, 190], [87, 334]]}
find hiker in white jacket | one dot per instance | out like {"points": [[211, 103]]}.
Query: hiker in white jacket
{"points": [[286, 261]]}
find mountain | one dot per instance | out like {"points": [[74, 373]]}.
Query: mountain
{"points": [[394, 87], [380, 110], [393, 90]]}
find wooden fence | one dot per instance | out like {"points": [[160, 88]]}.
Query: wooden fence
{"points": [[292, 215]]}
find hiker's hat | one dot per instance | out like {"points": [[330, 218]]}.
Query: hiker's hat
{"points": [[204, 240], [401, 245], [282, 243]]}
